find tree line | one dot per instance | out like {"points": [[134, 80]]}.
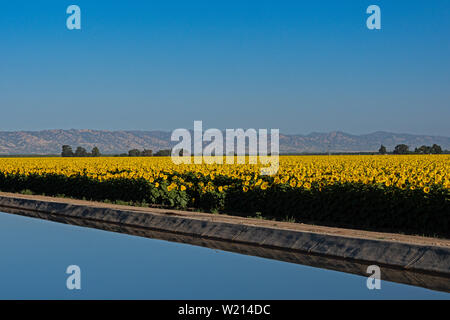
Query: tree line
{"points": [[79, 152], [67, 151], [404, 149], [146, 153]]}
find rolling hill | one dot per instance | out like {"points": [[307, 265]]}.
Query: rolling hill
{"points": [[50, 141]]}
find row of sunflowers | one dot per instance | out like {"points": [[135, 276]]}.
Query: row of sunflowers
{"points": [[401, 193]]}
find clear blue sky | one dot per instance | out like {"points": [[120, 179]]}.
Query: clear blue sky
{"points": [[299, 66]]}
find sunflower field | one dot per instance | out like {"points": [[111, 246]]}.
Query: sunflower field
{"points": [[408, 194]]}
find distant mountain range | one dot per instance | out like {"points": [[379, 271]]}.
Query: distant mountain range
{"points": [[50, 141]]}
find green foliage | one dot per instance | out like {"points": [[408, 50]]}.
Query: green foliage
{"points": [[382, 150], [147, 153], [134, 153], [434, 149], [95, 152], [81, 152], [350, 205], [163, 153], [401, 149], [67, 151], [139, 153]]}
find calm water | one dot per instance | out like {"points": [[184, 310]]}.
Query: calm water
{"points": [[35, 254]]}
